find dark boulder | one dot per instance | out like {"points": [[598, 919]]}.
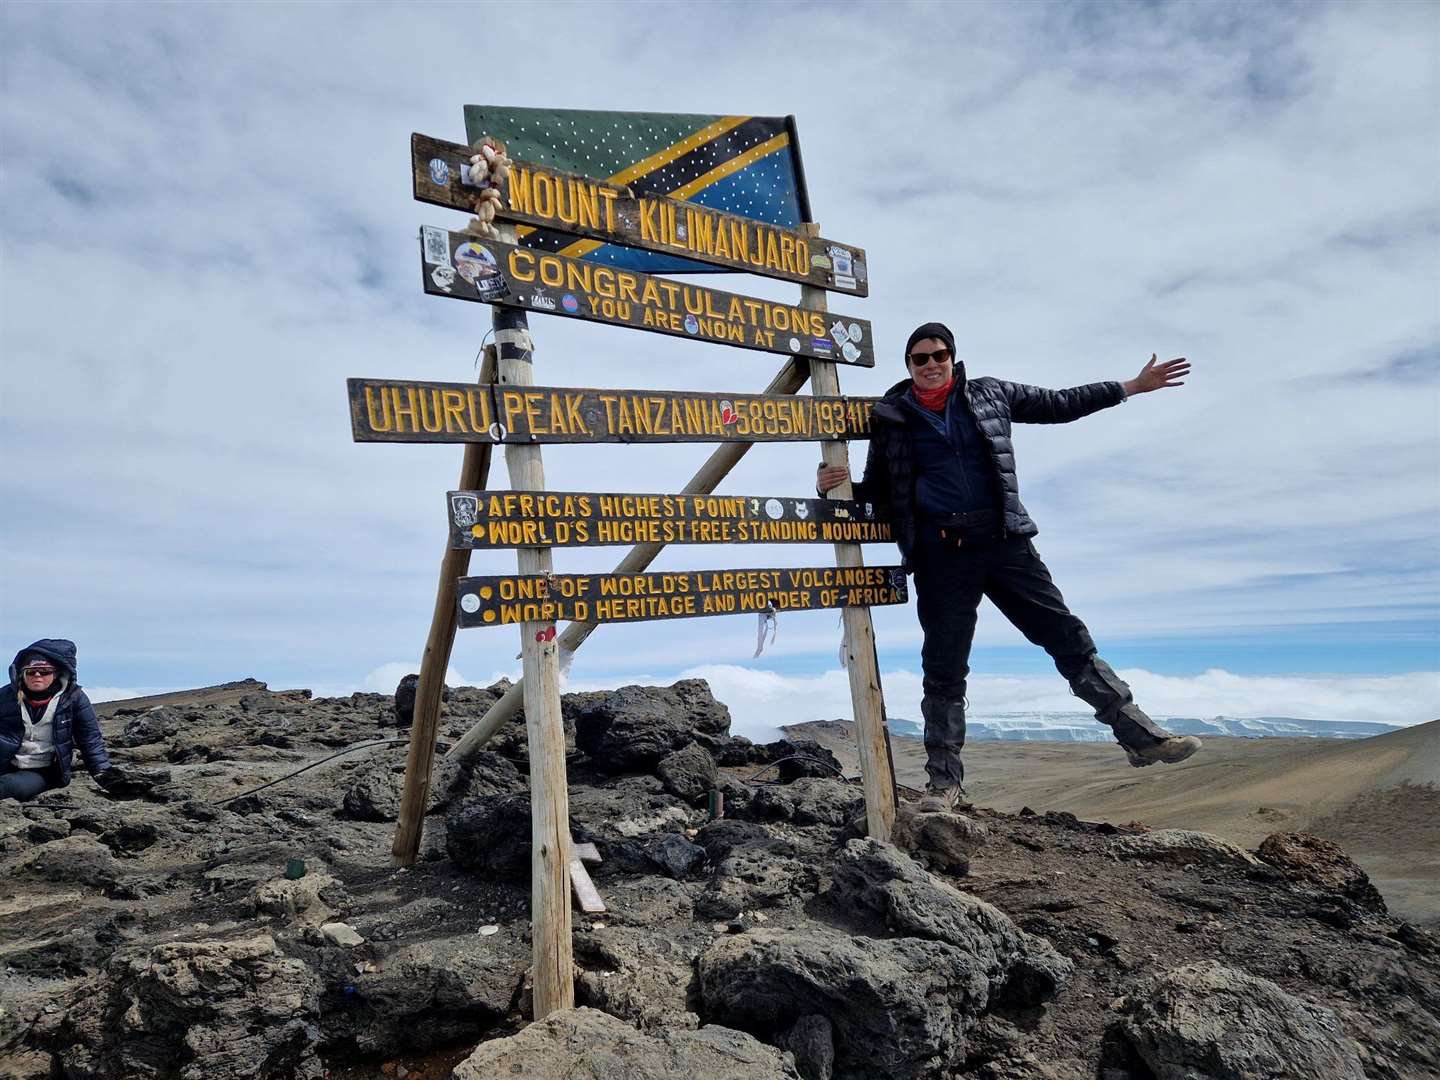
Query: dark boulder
{"points": [[899, 1007], [238, 1009], [812, 1041], [491, 836], [1020, 968], [1320, 864], [586, 1044], [675, 855], [688, 773], [808, 801], [1209, 1020], [631, 729], [797, 757], [405, 700]]}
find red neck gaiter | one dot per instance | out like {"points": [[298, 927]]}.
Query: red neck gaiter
{"points": [[934, 400]]}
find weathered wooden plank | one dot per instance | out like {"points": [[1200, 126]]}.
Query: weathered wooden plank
{"points": [[586, 894], [474, 471], [598, 210], [586, 852], [534, 599], [398, 410], [465, 267], [506, 519]]}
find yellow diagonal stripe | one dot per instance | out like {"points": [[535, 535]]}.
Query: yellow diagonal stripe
{"points": [[653, 162], [734, 165], [581, 248], [675, 150]]}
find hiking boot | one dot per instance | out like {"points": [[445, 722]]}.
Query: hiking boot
{"points": [[949, 800], [1168, 751]]}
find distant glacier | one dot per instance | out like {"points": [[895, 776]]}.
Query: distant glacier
{"points": [[1082, 727]]}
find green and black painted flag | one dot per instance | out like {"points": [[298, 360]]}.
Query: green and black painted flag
{"points": [[747, 165]]}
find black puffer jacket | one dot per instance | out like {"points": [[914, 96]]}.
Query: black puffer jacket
{"points": [[75, 726], [889, 480]]}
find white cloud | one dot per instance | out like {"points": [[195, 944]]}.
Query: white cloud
{"points": [[206, 225]]}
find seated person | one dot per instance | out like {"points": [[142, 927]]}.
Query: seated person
{"points": [[44, 718]]}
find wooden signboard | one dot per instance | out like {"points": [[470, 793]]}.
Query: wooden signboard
{"points": [[506, 519], [605, 598], [493, 272], [582, 206], [398, 410]]}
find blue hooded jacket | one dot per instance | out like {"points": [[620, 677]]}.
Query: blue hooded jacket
{"points": [[75, 723]]}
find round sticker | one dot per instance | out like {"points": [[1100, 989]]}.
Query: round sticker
{"points": [[439, 172], [692, 324], [794, 344], [474, 262], [470, 603], [856, 333], [774, 508], [497, 432], [850, 352], [569, 303]]}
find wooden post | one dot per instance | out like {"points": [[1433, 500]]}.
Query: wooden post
{"points": [[860, 658], [474, 472], [789, 380], [553, 971]]}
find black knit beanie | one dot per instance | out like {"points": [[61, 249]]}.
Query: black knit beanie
{"points": [[929, 330]]}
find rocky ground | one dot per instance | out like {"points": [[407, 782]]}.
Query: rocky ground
{"points": [[158, 935]]}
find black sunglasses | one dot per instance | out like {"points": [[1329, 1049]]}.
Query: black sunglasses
{"points": [[921, 359]]}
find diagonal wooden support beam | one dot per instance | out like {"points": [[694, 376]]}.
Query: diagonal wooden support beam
{"points": [[474, 470], [790, 379]]}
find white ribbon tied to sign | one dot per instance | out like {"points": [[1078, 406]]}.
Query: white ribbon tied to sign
{"points": [[767, 619]]}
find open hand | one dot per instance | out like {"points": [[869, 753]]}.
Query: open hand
{"points": [[1155, 376], [830, 476]]}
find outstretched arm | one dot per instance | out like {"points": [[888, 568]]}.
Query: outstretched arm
{"points": [[1155, 376]]}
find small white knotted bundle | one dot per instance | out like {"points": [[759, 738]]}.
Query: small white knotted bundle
{"points": [[489, 168]]}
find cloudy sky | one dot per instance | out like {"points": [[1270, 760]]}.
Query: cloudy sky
{"points": [[206, 225]]}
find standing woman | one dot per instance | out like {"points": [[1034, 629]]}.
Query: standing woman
{"points": [[44, 718]]}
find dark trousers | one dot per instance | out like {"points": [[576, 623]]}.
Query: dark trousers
{"points": [[949, 583], [23, 785]]}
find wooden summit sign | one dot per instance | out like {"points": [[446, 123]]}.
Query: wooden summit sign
{"points": [[606, 598], [504, 519], [397, 410], [596, 209], [488, 271]]}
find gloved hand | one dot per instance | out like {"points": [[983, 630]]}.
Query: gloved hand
{"points": [[110, 778]]}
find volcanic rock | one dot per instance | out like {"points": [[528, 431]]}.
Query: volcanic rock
{"points": [[1320, 864], [196, 1010], [1183, 847], [794, 758], [812, 1041], [688, 773], [632, 728], [899, 1007], [491, 835], [1020, 968], [753, 869], [808, 801], [75, 860], [1208, 1020], [637, 975], [405, 700], [944, 841], [675, 855], [585, 1044]]}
